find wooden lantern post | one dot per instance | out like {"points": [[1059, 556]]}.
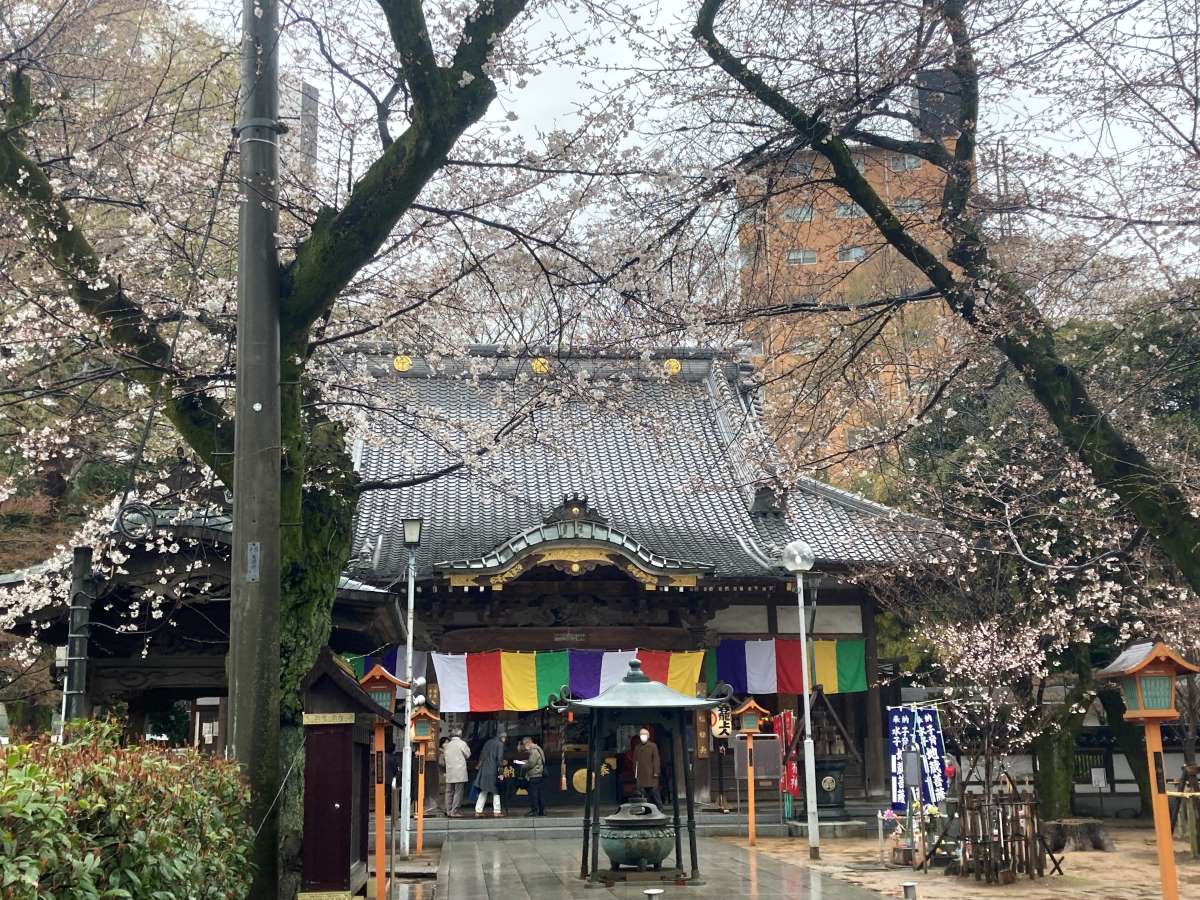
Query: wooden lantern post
{"points": [[424, 732], [1147, 674], [749, 715], [381, 685]]}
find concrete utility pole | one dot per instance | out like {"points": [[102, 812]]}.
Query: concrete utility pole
{"points": [[254, 615]]}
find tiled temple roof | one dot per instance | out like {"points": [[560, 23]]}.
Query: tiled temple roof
{"points": [[671, 461]]}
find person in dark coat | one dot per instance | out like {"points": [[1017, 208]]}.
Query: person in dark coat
{"points": [[647, 766], [491, 761]]}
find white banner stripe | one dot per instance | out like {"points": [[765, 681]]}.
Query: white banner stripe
{"points": [[613, 666], [760, 667], [452, 683]]}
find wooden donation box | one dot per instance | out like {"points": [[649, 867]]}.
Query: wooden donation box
{"points": [[339, 774]]}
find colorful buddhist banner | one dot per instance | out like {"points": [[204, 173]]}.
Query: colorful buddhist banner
{"points": [[504, 680], [774, 666]]}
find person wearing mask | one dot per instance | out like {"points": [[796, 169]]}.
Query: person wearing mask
{"points": [[646, 766], [455, 753], [534, 765], [487, 779]]}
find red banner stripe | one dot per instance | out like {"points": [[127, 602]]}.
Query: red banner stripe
{"points": [[789, 672], [485, 687], [656, 664]]}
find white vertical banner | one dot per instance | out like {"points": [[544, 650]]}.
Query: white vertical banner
{"points": [[452, 683], [614, 666], [761, 675]]}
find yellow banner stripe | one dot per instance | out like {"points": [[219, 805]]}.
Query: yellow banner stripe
{"points": [[684, 672], [518, 675], [824, 665]]}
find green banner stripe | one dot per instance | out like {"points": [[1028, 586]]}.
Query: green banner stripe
{"points": [[553, 671], [710, 669], [851, 666]]}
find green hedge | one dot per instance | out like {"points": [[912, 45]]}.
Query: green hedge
{"points": [[89, 819]]}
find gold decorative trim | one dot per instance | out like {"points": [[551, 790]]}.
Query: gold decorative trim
{"points": [[573, 561], [324, 895], [401, 363], [648, 579], [574, 554], [499, 580], [329, 719], [672, 366], [540, 365]]}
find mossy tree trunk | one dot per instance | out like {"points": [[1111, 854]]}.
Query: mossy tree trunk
{"points": [[1055, 754], [1131, 741], [1054, 747]]}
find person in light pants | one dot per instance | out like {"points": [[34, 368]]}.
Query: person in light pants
{"points": [[491, 761], [455, 754]]}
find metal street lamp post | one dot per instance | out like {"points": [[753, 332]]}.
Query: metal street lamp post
{"points": [[412, 540], [798, 558]]}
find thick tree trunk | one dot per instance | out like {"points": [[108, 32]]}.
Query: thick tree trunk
{"points": [[314, 554], [1055, 752], [1054, 748], [1131, 741]]}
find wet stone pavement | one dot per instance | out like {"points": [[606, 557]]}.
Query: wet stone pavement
{"points": [[549, 870]]}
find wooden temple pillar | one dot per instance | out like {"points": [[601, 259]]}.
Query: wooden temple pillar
{"points": [[875, 773]]}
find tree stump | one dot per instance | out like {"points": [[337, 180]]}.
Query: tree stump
{"points": [[1065, 835]]}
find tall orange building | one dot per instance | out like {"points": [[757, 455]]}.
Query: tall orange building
{"points": [[842, 366]]}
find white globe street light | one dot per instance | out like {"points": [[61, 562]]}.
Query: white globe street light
{"points": [[798, 558]]}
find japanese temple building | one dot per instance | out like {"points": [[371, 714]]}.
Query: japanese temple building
{"points": [[607, 506], [644, 517]]}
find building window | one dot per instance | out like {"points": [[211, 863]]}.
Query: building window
{"points": [[903, 162], [752, 212], [798, 168], [851, 254], [850, 211], [802, 257], [798, 213], [908, 205], [860, 163]]}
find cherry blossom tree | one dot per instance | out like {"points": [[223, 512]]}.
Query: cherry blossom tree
{"points": [[1015, 224], [119, 220]]}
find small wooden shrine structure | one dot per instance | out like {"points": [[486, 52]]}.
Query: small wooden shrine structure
{"points": [[339, 769]]}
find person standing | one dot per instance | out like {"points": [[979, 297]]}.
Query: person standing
{"points": [[646, 766], [455, 754], [491, 760], [535, 776]]}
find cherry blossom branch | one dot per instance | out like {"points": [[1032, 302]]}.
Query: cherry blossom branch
{"points": [[61, 241], [446, 101]]}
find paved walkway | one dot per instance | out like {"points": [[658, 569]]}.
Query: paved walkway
{"points": [[549, 870]]}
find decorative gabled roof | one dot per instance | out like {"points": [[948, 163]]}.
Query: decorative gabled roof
{"points": [[666, 449], [1138, 656], [573, 533]]}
